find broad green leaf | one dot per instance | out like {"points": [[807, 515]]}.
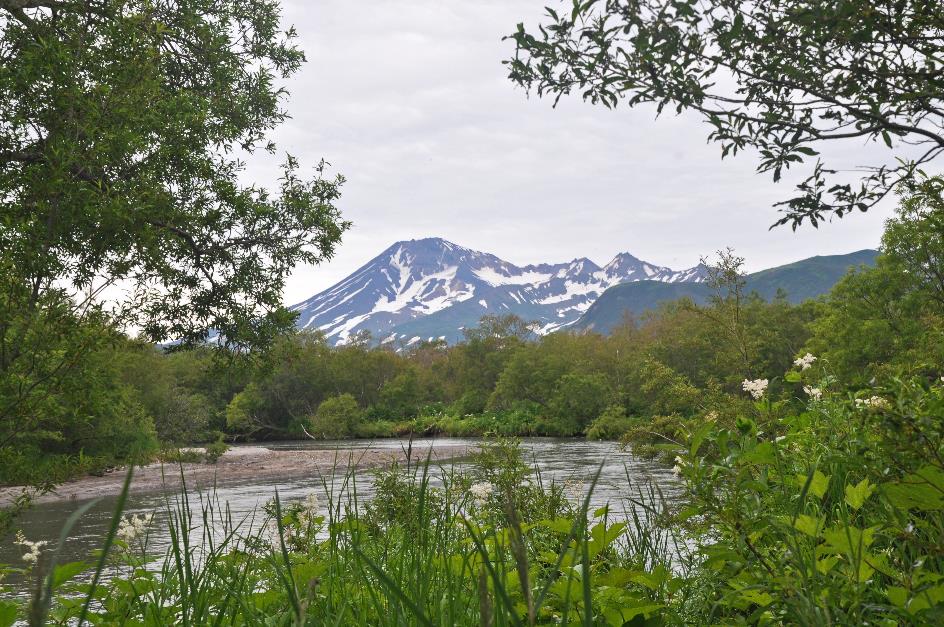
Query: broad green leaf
{"points": [[826, 564], [8, 611], [847, 539], [807, 524], [897, 595], [923, 490], [761, 455], [818, 485], [856, 495], [65, 572], [699, 437], [756, 597]]}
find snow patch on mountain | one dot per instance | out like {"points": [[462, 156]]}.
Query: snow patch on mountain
{"points": [[439, 288]]}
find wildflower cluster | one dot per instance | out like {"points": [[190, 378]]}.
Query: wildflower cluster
{"points": [[873, 402], [755, 388], [814, 393], [133, 527], [805, 362], [33, 549], [481, 491], [309, 509]]}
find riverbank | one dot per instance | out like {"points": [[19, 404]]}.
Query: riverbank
{"points": [[238, 464]]}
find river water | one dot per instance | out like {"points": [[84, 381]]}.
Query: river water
{"points": [[563, 460]]}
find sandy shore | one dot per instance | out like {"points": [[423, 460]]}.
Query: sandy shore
{"points": [[239, 464]]}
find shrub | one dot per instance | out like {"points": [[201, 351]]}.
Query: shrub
{"points": [[337, 417], [611, 425], [579, 398], [215, 450]]}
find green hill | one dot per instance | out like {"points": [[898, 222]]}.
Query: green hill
{"points": [[800, 281]]}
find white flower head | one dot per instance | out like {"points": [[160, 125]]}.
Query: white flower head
{"points": [[33, 549], [873, 402], [755, 388], [805, 362], [814, 393], [133, 526], [481, 491], [309, 508]]}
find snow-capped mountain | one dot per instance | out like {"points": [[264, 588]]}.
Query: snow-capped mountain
{"points": [[431, 288]]}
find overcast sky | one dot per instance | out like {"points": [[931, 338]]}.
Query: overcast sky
{"points": [[409, 100]]}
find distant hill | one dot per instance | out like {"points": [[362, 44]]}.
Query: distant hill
{"points": [[800, 281]]}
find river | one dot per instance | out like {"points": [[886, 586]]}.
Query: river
{"points": [[573, 461]]}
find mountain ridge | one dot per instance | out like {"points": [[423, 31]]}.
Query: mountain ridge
{"points": [[414, 279], [431, 288]]}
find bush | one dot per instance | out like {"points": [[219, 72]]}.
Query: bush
{"points": [[579, 399], [611, 425], [337, 417], [215, 450]]}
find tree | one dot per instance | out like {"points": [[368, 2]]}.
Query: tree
{"points": [[914, 239], [121, 126], [890, 319], [779, 77]]}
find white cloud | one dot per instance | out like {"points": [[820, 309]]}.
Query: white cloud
{"points": [[409, 100]]}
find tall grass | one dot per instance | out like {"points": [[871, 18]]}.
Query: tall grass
{"points": [[416, 554]]}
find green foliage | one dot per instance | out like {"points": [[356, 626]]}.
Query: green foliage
{"points": [[612, 424], [777, 78], [888, 319], [337, 417], [120, 124], [580, 398], [819, 521], [215, 450]]}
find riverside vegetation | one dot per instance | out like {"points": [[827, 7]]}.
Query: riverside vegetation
{"points": [[814, 493]]}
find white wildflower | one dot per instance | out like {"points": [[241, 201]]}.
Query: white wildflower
{"points": [[780, 438], [481, 491], [309, 508], [133, 527], [33, 549], [805, 362], [814, 393], [755, 388], [873, 402]]}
